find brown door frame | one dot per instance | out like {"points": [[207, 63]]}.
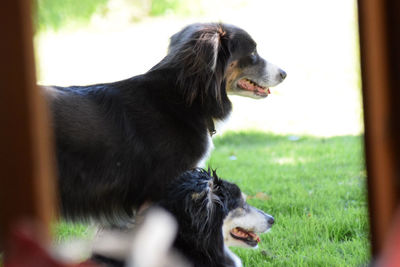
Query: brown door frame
{"points": [[379, 22], [26, 160]]}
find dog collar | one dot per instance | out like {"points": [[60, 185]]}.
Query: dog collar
{"points": [[211, 126]]}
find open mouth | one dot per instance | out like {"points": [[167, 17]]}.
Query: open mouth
{"points": [[249, 85], [248, 237]]}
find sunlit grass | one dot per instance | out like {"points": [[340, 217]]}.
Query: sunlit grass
{"points": [[315, 189], [53, 15]]}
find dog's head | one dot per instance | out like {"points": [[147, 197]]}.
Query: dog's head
{"points": [[211, 210], [248, 74], [243, 223], [225, 58]]}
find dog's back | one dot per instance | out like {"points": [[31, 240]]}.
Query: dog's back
{"points": [[110, 137]]}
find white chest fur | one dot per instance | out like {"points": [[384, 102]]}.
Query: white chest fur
{"points": [[236, 260], [210, 145]]}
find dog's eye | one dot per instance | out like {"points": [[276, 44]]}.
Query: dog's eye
{"points": [[254, 53], [253, 56]]}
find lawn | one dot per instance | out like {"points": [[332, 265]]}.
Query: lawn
{"points": [[314, 187]]}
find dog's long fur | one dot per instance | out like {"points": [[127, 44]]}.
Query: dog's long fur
{"points": [[119, 144]]}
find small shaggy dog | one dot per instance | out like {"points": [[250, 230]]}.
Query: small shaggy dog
{"points": [[119, 144], [202, 203]]}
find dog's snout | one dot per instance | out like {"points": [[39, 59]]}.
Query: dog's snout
{"points": [[271, 220], [282, 73]]}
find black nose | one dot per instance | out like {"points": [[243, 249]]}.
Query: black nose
{"points": [[271, 220], [283, 74]]}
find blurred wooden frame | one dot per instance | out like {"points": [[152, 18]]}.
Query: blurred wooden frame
{"points": [[27, 180], [26, 159], [379, 22]]}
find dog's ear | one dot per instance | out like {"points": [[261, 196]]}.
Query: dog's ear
{"points": [[206, 212], [197, 209], [203, 56]]}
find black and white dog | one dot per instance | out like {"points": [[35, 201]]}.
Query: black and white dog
{"points": [[209, 212], [119, 144]]}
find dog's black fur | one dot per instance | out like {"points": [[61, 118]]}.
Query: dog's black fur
{"points": [[200, 201], [119, 144]]}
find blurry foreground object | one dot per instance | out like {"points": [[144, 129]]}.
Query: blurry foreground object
{"points": [[390, 255], [148, 245], [27, 248]]}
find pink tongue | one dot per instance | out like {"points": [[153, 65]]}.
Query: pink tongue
{"points": [[246, 85], [260, 90]]}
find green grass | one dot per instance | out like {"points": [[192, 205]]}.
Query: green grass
{"points": [[314, 187], [63, 231], [176, 7], [55, 15], [51, 14]]}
